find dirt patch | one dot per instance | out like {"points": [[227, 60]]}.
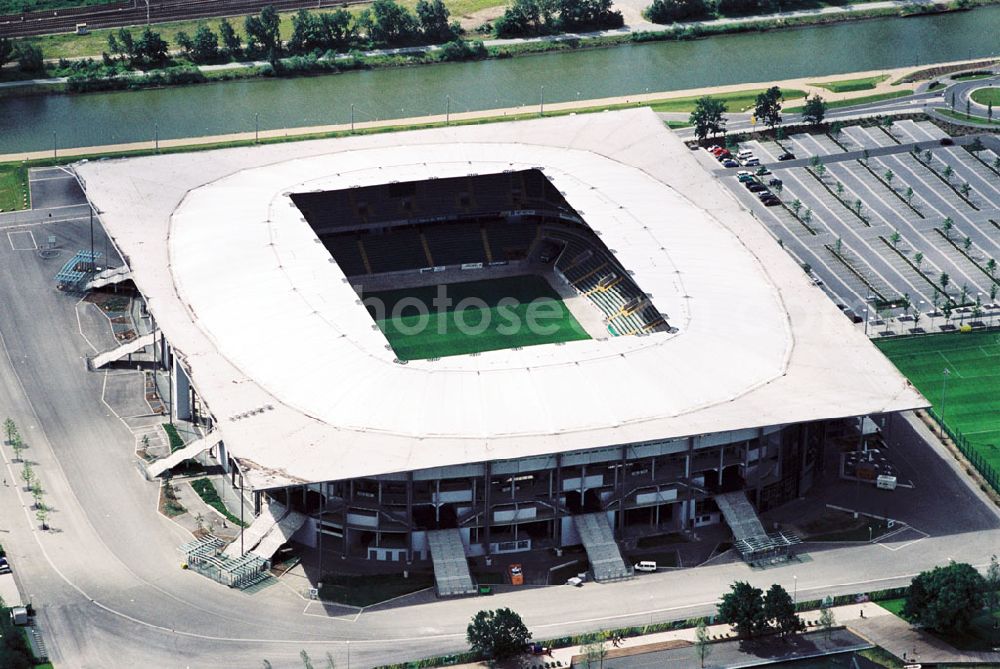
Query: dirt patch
{"points": [[473, 20]]}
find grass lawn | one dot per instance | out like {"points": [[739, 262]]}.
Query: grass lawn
{"points": [[894, 606], [500, 316], [835, 104], [13, 185], [972, 398], [210, 495], [735, 101], [368, 589], [975, 120], [848, 85], [985, 96], [17, 6], [973, 76]]}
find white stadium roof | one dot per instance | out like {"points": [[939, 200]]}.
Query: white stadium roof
{"points": [[254, 307]]}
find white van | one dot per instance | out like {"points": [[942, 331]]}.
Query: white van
{"points": [[645, 565], [745, 153]]}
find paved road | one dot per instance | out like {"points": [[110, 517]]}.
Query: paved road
{"points": [[106, 580]]}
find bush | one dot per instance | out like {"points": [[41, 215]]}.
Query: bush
{"points": [[462, 50], [670, 11]]}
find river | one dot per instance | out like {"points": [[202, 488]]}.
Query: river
{"points": [[33, 123]]}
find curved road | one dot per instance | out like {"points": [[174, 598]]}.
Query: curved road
{"points": [[106, 579]]}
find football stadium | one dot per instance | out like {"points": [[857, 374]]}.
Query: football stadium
{"points": [[481, 340]]}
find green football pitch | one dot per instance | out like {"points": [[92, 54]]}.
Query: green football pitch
{"points": [[482, 316], [971, 395]]}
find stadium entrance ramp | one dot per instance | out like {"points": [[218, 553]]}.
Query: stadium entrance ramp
{"points": [[195, 448], [451, 568], [602, 549], [128, 348], [750, 539]]}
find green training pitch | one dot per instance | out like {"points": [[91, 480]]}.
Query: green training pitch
{"points": [[496, 314], [972, 396]]}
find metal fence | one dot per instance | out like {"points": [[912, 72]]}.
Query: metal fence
{"points": [[970, 452]]}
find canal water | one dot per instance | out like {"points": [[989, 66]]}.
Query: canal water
{"points": [[34, 123]]}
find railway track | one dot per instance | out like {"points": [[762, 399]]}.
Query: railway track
{"points": [[118, 14]]}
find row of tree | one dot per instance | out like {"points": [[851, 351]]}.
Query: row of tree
{"points": [[13, 439], [525, 18], [671, 11], [709, 114], [28, 56]]}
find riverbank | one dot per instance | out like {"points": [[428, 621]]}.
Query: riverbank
{"points": [[186, 73], [663, 101]]}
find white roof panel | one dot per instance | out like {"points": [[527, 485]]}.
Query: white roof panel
{"points": [[262, 317]]}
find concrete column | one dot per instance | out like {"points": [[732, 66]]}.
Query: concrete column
{"points": [[621, 491], [488, 468], [181, 392]]}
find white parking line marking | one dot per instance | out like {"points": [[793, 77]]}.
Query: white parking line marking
{"points": [[25, 240]]}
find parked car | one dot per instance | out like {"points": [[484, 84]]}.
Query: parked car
{"points": [[575, 580], [744, 153], [774, 182], [4, 566], [645, 565], [752, 181], [751, 162], [722, 155], [729, 162], [757, 187], [770, 200], [764, 194], [786, 156], [947, 141], [516, 574]]}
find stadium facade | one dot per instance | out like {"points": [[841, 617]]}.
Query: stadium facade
{"points": [[715, 367]]}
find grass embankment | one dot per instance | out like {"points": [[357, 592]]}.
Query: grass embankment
{"points": [[369, 589], [206, 490], [972, 76], [972, 402], [960, 116], [736, 101], [849, 85], [14, 192], [985, 96], [18, 6], [983, 633], [866, 99], [176, 442]]}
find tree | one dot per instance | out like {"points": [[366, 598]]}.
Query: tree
{"points": [[29, 58], [6, 51], [814, 110], [42, 515], [231, 42], [702, 647], [27, 473], [858, 204], [778, 607], [947, 225], [433, 17], [989, 110], [37, 493], [927, 156], [967, 243], [743, 608], [264, 34], [836, 128], [595, 648], [945, 599], [991, 266], [918, 258], [887, 123], [993, 581], [392, 24], [306, 661], [889, 176], [185, 42], [807, 216], [909, 195], [977, 145], [150, 48], [993, 293], [205, 48], [708, 117], [947, 172], [126, 45], [895, 237], [498, 634], [968, 108], [768, 107], [965, 188], [944, 280], [826, 620], [840, 189], [670, 11], [796, 206], [9, 430]]}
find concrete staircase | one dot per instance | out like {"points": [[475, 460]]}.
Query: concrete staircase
{"points": [[279, 535], [740, 516], [602, 550], [451, 568], [128, 348], [195, 448], [270, 515]]}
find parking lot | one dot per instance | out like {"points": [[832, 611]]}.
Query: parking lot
{"points": [[879, 221]]}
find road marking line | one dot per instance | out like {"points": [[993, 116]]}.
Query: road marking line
{"points": [[22, 247]]}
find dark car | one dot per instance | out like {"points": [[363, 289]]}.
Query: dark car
{"points": [[729, 162], [722, 155], [765, 194], [770, 201], [787, 156], [774, 182], [756, 187], [947, 141]]}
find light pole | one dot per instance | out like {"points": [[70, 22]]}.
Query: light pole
{"points": [[54, 153], [447, 113], [868, 300], [156, 137], [944, 389], [352, 118], [256, 127], [795, 591], [541, 100], [348, 655]]}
